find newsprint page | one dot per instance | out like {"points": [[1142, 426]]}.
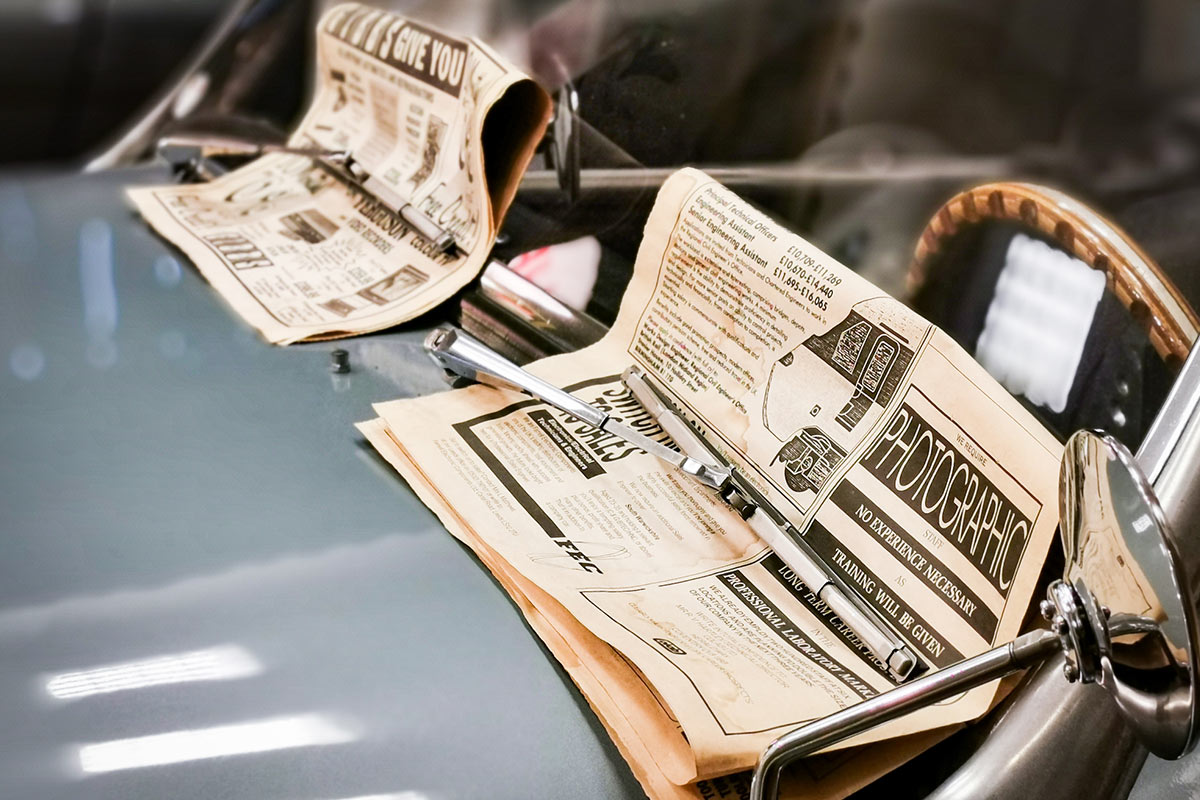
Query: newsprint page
{"points": [[914, 474], [441, 123]]}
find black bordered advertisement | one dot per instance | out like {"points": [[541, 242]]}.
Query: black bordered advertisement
{"points": [[768, 600]]}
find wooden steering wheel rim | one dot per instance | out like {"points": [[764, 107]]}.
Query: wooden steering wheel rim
{"points": [[1132, 276]]}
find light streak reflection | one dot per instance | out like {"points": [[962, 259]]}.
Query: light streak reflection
{"points": [[258, 736], [226, 662]]}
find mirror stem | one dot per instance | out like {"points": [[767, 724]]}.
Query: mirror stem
{"points": [[1024, 651]]}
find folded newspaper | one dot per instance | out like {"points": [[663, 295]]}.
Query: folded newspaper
{"points": [[440, 124], [916, 477]]}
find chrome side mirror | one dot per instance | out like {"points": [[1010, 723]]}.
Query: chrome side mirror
{"points": [[1123, 613]]}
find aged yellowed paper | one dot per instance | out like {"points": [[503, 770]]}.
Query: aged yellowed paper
{"points": [[917, 478], [300, 251]]}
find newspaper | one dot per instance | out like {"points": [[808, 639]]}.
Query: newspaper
{"points": [[911, 471], [441, 123]]}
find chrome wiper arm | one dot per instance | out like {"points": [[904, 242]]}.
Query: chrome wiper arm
{"points": [[463, 355]]}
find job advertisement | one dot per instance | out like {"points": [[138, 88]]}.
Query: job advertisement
{"points": [[301, 250], [641, 724], [917, 478]]}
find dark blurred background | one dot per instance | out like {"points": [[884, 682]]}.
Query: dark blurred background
{"points": [[1098, 97], [683, 81], [72, 71]]}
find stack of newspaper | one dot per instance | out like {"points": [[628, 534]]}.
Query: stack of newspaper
{"points": [[912, 473]]}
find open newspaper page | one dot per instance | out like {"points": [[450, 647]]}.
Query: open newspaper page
{"points": [[635, 718], [915, 475], [302, 252]]}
